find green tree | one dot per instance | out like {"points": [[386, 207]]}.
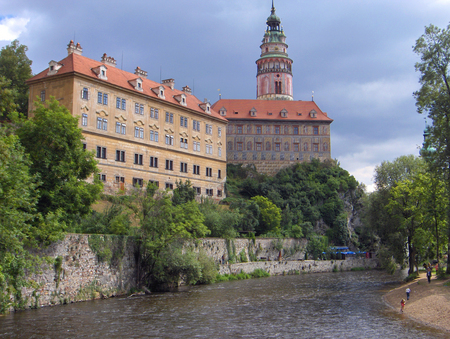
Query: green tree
{"points": [[18, 195], [53, 142], [433, 98], [183, 192], [317, 244], [16, 67], [7, 98], [270, 215]]}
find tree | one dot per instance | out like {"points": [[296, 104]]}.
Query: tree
{"points": [[7, 99], [433, 98], [183, 192], [16, 67], [53, 142], [270, 215]]}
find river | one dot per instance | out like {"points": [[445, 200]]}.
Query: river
{"points": [[328, 305]]}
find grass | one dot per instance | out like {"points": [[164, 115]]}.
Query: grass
{"points": [[357, 269], [257, 273]]}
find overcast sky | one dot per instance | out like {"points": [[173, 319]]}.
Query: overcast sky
{"points": [[355, 55]]}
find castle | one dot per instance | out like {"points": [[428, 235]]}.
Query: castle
{"points": [[274, 131]]}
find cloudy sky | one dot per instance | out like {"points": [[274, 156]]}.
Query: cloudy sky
{"points": [[355, 55]]}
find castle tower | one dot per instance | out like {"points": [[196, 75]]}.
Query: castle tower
{"points": [[274, 68]]}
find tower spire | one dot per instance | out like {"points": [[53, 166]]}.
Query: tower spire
{"points": [[274, 68]]}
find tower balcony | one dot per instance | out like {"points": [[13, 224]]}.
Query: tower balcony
{"points": [[274, 70]]}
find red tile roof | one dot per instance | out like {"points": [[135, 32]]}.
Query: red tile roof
{"points": [[296, 110], [79, 64]]}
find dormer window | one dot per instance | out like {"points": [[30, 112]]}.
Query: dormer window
{"points": [[100, 71], [159, 91], [253, 112], [313, 114], [284, 113], [181, 98], [53, 67], [223, 111], [206, 107], [137, 84]]}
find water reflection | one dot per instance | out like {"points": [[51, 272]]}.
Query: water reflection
{"points": [[330, 305]]}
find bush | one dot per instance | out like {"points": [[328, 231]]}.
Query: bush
{"points": [[259, 273], [357, 269]]}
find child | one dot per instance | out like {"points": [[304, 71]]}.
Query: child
{"points": [[408, 291], [402, 305]]}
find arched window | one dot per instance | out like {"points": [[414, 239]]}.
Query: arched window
{"points": [[249, 146], [268, 146]]}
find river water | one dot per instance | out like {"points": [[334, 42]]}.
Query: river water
{"points": [[328, 305]]}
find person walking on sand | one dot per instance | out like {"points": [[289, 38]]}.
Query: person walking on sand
{"points": [[408, 291], [402, 305]]}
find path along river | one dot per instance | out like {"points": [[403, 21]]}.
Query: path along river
{"points": [[327, 305]]}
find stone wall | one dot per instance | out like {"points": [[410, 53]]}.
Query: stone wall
{"points": [[84, 274], [303, 266]]}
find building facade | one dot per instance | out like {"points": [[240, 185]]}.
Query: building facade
{"points": [[274, 131], [139, 130]]}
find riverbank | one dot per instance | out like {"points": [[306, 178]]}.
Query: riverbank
{"points": [[429, 303]]}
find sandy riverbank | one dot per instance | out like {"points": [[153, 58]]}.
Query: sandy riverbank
{"points": [[429, 303]]}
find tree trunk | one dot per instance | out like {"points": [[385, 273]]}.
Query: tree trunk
{"points": [[411, 256]]}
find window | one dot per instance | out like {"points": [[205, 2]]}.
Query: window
{"points": [[196, 169], [219, 193], [183, 143], [138, 182], [153, 182], [102, 98], [277, 129], [121, 103], [196, 125], [315, 130], [85, 93], [295, 130], [169, 165], [229, 129], [154, 162], [239, 129], [84, 146], [154, 136], [43, 95], [196, 146], [139, 132], [183, 121], [219, 132], [121, 128], [239, 146], [296, 148], [277, 147], [208, 129], [198, 190], [208, 171], [101, 152], [249, 146], [219, 151], [169, 140], [154, 113], [209, 192], [84, 119], [258, 129], [278, 86], [183, 167], [258, 146], [219, 174], [169, 117], [102, 123], [138, 159], [169, 186], [120, 179], [209, 149], [120, 155], [102, 177], [315, 147]]}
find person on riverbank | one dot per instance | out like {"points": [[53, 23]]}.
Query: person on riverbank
{"points": [[408, 291], [402, 305]]}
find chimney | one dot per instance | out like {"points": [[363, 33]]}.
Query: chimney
{"points": [[139, 72], [110, 61], [187, 90], [169, 82], [72, 48]]}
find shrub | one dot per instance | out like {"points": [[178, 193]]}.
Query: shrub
{"points": [[259, 273]]}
